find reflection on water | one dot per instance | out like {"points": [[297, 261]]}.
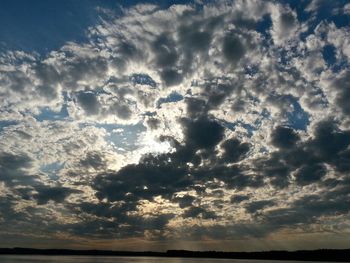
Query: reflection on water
{"points": [[106, 259]]}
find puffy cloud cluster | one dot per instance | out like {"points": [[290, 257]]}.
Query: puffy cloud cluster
{"points": [[219, 121]]}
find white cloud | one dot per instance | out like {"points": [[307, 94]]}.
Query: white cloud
{"points": [[285, 25]]}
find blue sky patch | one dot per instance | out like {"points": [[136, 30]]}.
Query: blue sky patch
{"points": [[4, 124], [143, 79], [52, 169], [172, 97], [329, 54], [297, 118], [123, 136], [47, 114]]}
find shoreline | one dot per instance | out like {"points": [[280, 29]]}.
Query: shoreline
{"points": [[331, 255]]}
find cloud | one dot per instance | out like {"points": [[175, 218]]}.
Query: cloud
{"points": [[239, 198], [234, 150], [340, 84], [233, 49], [200, 121], [15, 168], [193, 212], [285, 24], [89, 103], [284, 137], [94, 160], [195, 137], [56, 194], [310, 173], [185, 201], [258, 205]]}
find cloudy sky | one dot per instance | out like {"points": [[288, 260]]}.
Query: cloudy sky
{"points": [[175, 125]]}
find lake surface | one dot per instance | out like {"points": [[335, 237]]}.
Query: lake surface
{"points": [[111, 259]]}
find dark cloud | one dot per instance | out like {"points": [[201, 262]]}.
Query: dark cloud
{"points": [[164, 50], [153, 123], [233, 48], [166, 55], [195, 211], [121, 109], [16, 81], [217, 93], [239, 105], [89, 102], [13, 169], [194, 42], [259, 205], [12, 219], [49, 77], [195, 135], [284, 137], [274, 168], [310, 208], [171, 77], [239, 198], [234, 150], [82, 68], [92, 228], [24, 135], [115, 222], [287, 21], [195, 107], [154, 175], [235, 231], [166, 174], [194, 39], [329, 142], [310, 173], [57, 194], [106, 210], [13, 162], [234, 177], [175, 58], [306, 158], [214, 91], [127, 50], [94, 160], [185, 201]]}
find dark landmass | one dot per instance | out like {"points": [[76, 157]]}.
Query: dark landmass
{"points": [[335, 255]]}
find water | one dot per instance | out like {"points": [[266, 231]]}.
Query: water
{"points": [[111, 259]]}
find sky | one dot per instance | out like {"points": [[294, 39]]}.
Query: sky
{"points": [[202, 125]]}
